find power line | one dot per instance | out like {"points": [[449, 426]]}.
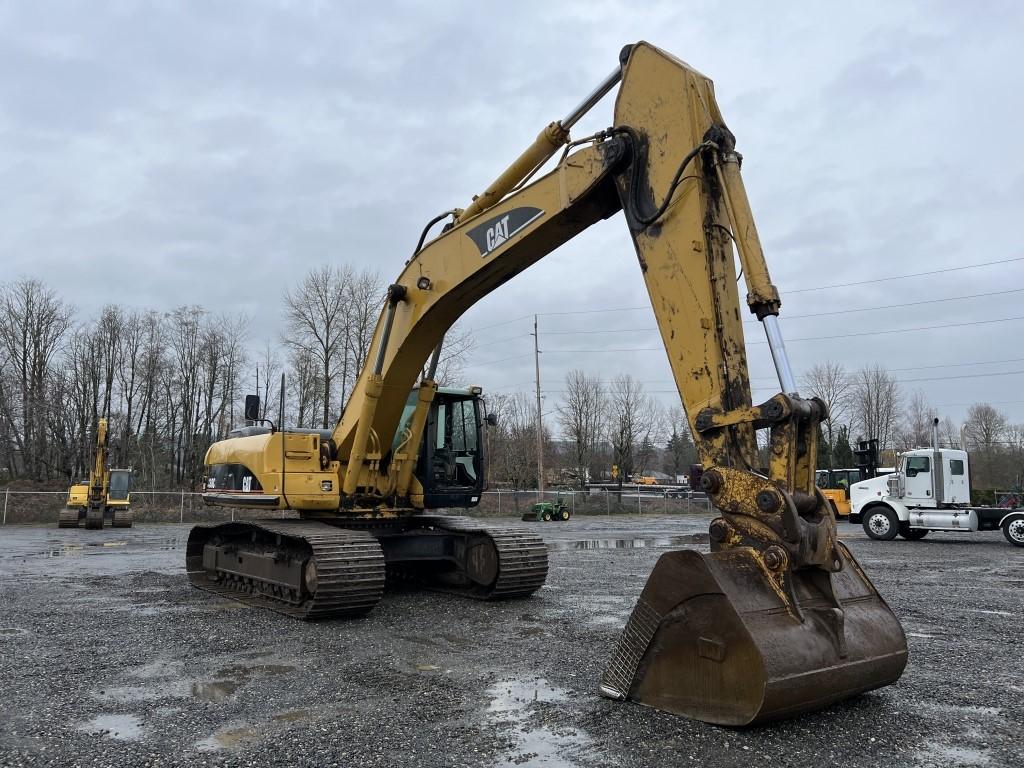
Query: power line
{"points": [[898, 381], [904, 277], [880, 332], [785, 292], [755, 322], [998, 402], [849, 377]]}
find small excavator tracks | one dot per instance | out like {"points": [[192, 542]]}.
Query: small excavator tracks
{"points": [[334, 572]]}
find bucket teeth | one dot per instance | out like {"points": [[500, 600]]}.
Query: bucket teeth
{"points": [[636, 637]]}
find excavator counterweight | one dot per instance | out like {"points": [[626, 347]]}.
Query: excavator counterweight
{"points": [[776, 620]]}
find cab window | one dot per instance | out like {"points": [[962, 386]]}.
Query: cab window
{"points": [[916, 465], [956, 466]]}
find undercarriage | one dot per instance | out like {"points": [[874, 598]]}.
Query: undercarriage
{"points": [[336, 566]]}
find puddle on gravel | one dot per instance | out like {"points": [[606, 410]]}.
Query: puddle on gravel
{"points": [[63, 549], [8, 632], [290, 716], [537, 744], [226, 681], [639, 543], [120, 727], [218, 690], [226, 739], [950, 756], [517, 695]]}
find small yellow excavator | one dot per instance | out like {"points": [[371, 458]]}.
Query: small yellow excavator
{"points": [[104, 498], [777, 620]]}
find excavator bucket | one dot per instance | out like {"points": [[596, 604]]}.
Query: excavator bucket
{"points": [[713, 637]]}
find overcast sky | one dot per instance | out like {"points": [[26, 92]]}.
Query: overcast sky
{"points": [[160, 154]]}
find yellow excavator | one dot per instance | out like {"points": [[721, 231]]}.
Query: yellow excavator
{"points": [[778, 619], [104, 498]]}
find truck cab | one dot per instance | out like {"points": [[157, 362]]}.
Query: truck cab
{"points": [[929, 491]]}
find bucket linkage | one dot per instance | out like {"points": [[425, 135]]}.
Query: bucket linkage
{"points": [[777, 620]]}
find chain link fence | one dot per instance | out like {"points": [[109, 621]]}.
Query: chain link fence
{"points": [[35, 507], [631, 500]]}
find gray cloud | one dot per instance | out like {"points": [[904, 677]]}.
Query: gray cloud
{"points": [[214, 152]]}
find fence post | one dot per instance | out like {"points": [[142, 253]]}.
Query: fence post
{"points": [[573, 502], [7, 496], [499, 503], [638, 510], [181, 508], [607, 502]]}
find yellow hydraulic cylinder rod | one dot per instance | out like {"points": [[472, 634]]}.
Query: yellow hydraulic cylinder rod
{"points": [[419, 419], [374, 388], [762, 295], [549, 141]]}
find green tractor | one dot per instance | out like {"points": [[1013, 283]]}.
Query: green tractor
{"points": [[547, 511]]}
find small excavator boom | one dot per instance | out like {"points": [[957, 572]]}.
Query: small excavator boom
{"points": [[104, 496]]}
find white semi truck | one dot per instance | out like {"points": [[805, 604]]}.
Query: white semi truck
{"points": [[929, 491]]}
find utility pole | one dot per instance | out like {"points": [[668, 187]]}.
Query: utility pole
{"points": [[540, 422]]}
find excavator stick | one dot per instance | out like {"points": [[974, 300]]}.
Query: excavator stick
{"points": [[779, 618], [710, 638]]}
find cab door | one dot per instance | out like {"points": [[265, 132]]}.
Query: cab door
{"points": [[918, 473]]}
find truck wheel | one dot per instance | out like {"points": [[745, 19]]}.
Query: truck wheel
{"points": [[1013, 530], [881, 524], [912, 534]]}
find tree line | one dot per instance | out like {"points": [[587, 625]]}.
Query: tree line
{"points": [[170, 383], [601, 424]]}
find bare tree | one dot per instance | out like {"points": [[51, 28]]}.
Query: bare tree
{"points": [[830, 382], [582, 416], [364, 298], [630, 424], [680, 451], [455, 352], [876, 404], [949, 433], [985, 427], [304, 386], [268, 373], [33, 322], [916, 431], [985, 432], [514, 444], [317, 322]]}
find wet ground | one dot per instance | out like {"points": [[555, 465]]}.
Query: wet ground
{"points": [[108, 657]]}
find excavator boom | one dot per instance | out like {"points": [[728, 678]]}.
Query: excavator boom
{"points": [[779, 618]]}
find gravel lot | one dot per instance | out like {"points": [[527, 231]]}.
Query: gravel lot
{"points": [[108, 657]]}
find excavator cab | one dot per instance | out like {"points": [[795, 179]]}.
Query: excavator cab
{"points": [[119, 488], [451, 462]]}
